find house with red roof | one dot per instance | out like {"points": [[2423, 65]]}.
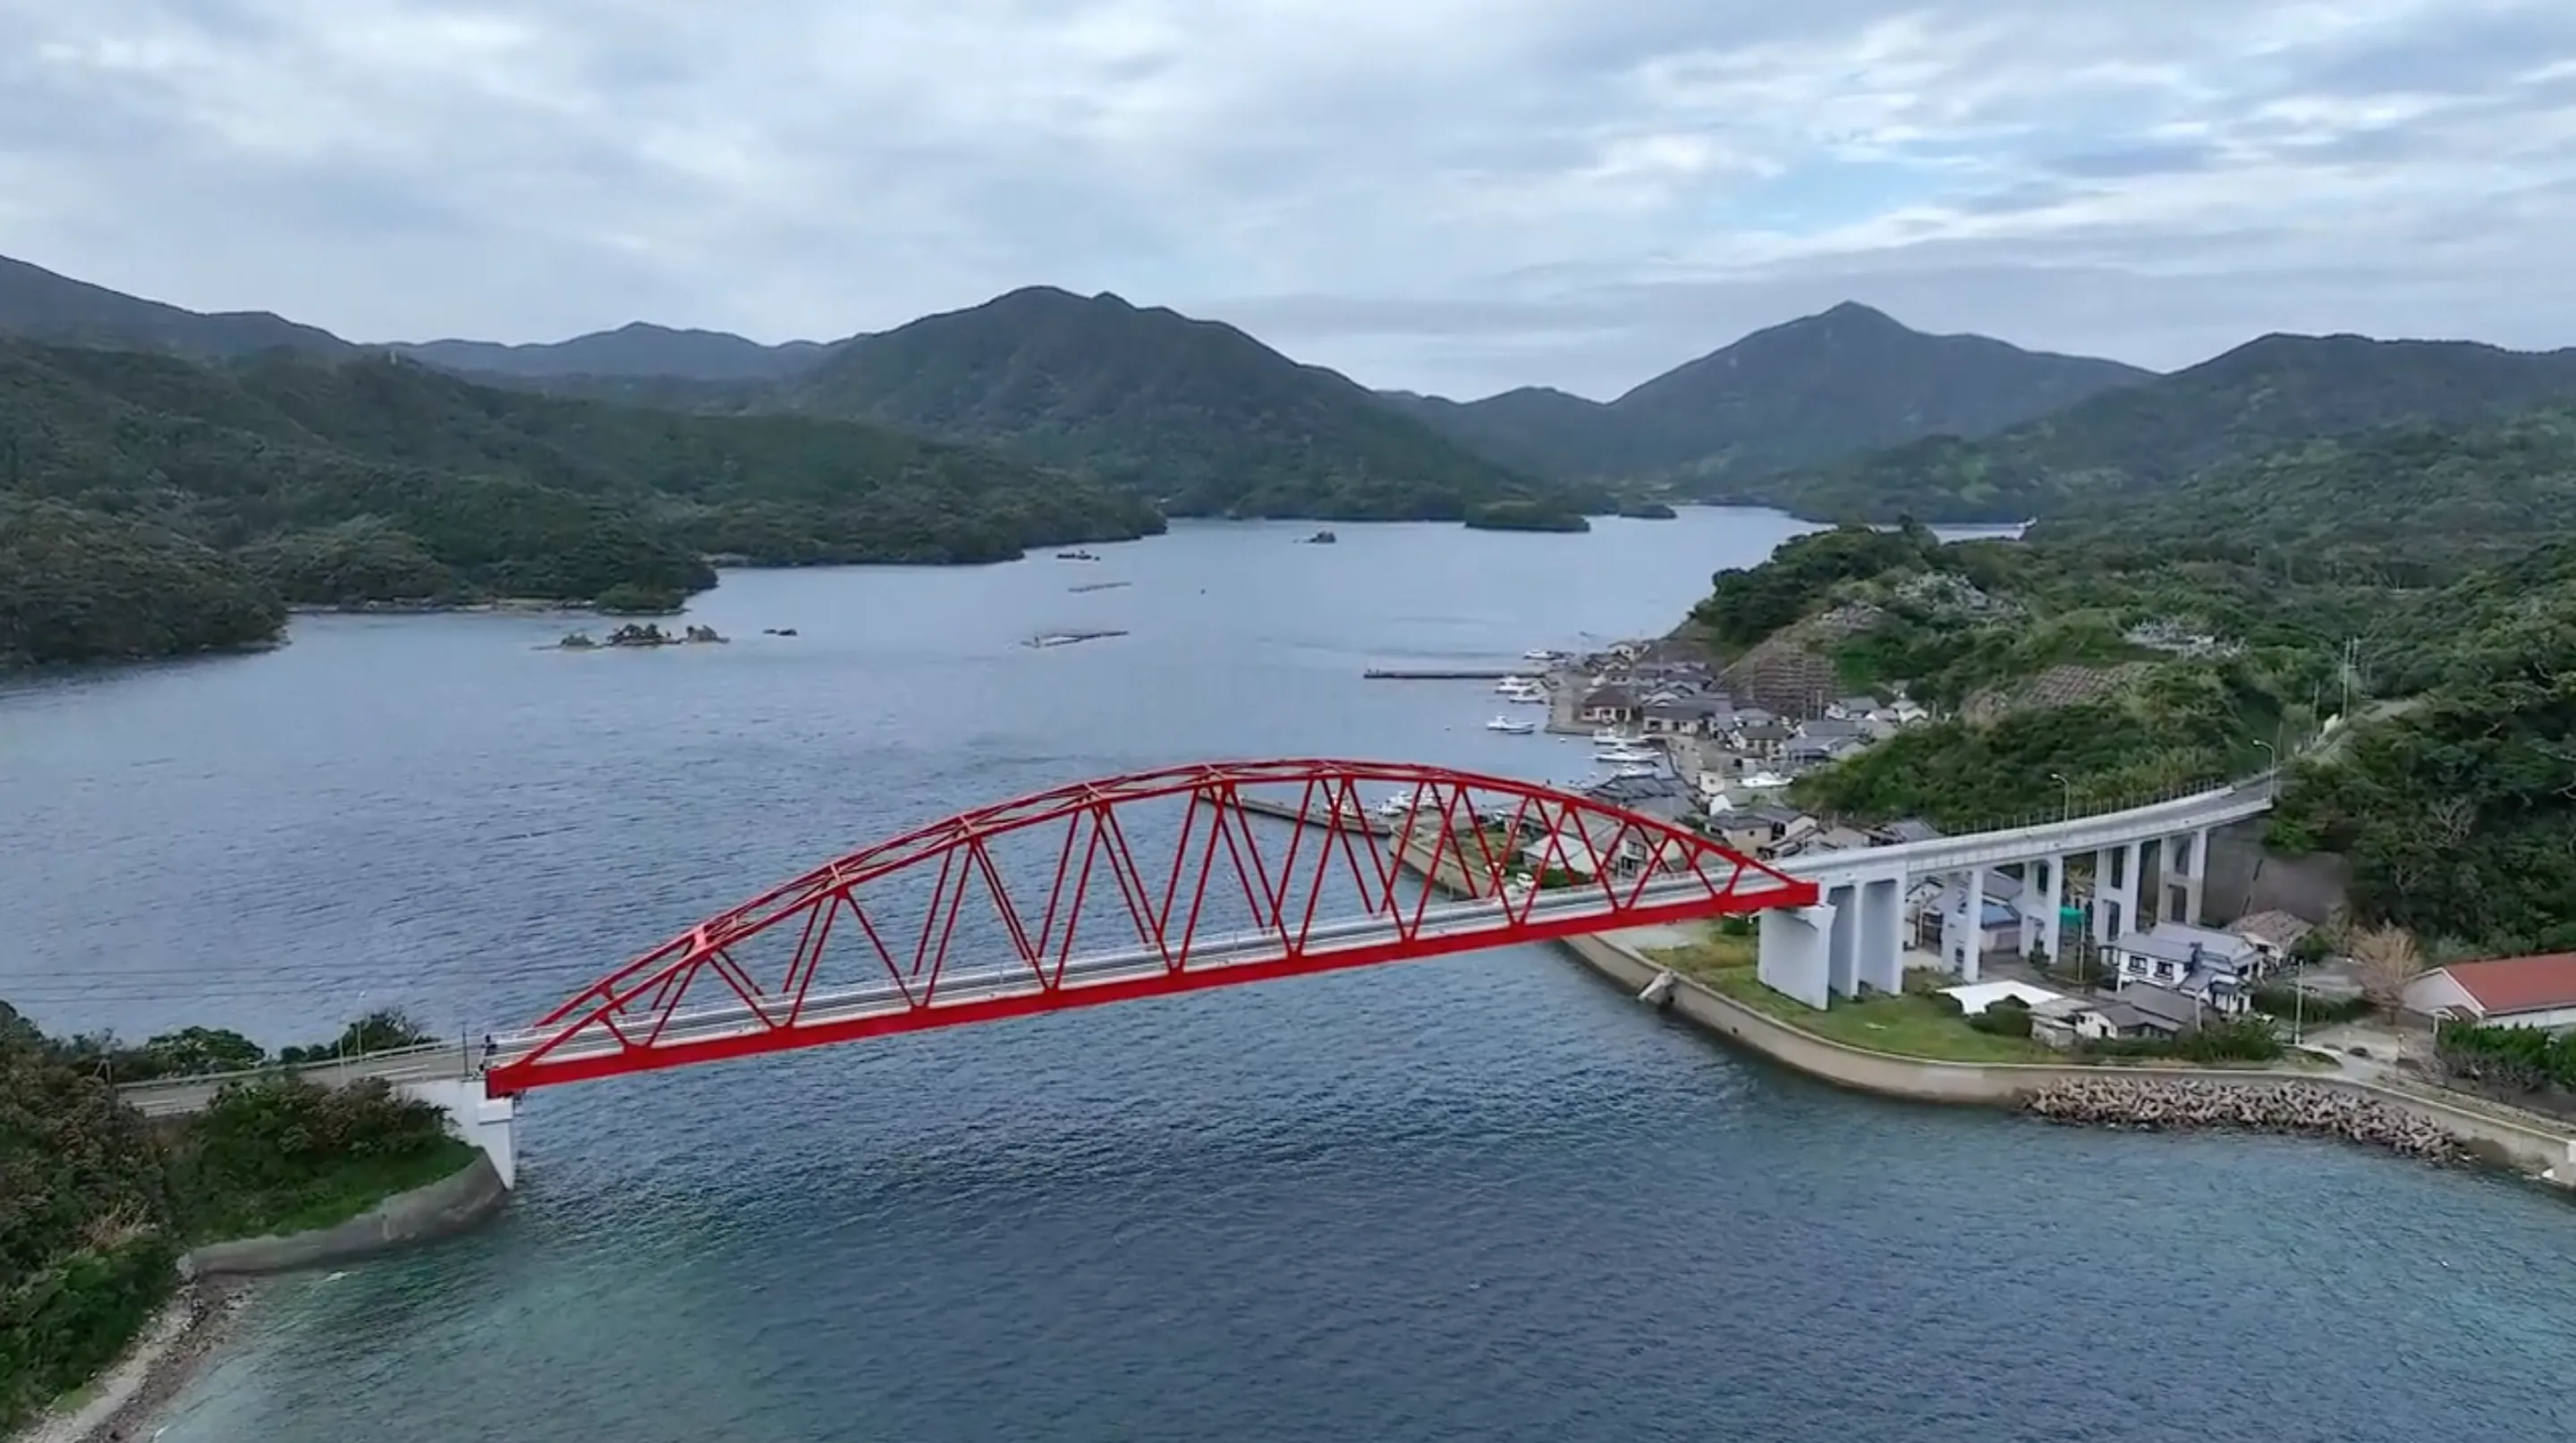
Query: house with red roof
{"points": [[2501, 992]]}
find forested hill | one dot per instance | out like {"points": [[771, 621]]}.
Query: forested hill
{"points": [[1198, 415], [37, 304], [2180, 636], [381, 479], [2259, 397], [1813, 390]]}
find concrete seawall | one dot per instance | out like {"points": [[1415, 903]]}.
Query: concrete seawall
{"points": [[451, 1205], [2527, 1149]]}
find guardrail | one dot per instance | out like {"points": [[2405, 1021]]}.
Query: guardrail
{"points": [[369, 1062]]}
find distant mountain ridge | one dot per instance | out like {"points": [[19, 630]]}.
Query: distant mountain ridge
{"points": [[2272, 392], [39, 305], [1845, 381], [637, 348]]}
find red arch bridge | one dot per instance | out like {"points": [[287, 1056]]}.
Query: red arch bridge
{"points": [[1138, 886]]}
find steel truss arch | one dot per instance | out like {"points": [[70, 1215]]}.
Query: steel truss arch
{"points": [[1251, 893]]}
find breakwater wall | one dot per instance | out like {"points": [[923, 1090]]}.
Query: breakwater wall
{"points": [[454, 1204], [2188, 1103]]}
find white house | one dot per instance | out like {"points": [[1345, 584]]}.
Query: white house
{"points": [[2500, 992], [2212, 967]]}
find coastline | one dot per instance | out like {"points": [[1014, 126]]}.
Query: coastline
{"points": [[2123, 1097], [219, 1281], [195, 1325]]}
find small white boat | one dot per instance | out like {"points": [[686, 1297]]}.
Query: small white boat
{"points": [[1613, 737], [1625, 754], [1636, 769], [1514, 725], [1542, 654]]}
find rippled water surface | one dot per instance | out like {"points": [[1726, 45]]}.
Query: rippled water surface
{"points": [[1480, 1198]]}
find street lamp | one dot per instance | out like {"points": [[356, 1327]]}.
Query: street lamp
{"points": [[2068, 812]]}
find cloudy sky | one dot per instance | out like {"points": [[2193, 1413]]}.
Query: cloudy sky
{"points": [[1449, 195]]}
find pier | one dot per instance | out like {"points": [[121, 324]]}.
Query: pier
{"points": [[1362, 824], [1384, 673]]}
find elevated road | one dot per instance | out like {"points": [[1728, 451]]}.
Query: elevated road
{"points": [[178, 1096]]}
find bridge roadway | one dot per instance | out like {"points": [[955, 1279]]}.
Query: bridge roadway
{"points": [[1206, 955], [429, 1062], [439, 1061]]}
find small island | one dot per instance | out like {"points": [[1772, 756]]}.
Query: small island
{"points": [[1320, 538], [645, 634], [1524, 515], [1648, 511]]}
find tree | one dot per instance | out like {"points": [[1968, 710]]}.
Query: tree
{"points": [[195, 1050], [2386, 958]]}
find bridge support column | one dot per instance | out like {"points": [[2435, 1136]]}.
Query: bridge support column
{"points": [[489, 1123], [1967, 950], [1790, 953], [1880, 938], [1842, 942], [2186, 862], [2115, 891], [2052, 905]]}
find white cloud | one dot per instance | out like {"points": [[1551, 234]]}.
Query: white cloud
{"points": [[1446, 194]]}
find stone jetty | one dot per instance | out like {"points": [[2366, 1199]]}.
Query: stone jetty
{"points": [[2289, 1107]]}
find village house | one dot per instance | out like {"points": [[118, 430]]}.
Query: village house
{"points": [[2216, 969], [1688, 716], [1759, 829], [1613, 705], [1762, 740], [2150, 1011], [2500, 992], [2272, 935], [1826, 839], [1942, 923], [1817, 751], [1851, 709]]}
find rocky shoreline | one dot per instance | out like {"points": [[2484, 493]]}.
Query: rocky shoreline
{"points": [[190, 1329], [2286, 1107]]}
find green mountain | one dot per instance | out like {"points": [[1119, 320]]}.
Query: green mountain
{"points": [[2174, 636], [2404, 506], [1827, 386], [639, 349], [79, 586], [2263, 395], [382, 479], [1194, 413], [37, 304]]}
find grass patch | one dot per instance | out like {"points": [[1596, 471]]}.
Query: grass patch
{"points": [[347, 1188], [1907, 1026]]}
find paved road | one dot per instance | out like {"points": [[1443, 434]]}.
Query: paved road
{"points": [[178, 1096]]}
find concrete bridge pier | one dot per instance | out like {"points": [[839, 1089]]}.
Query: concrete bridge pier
{"points": [[489, 1123], [2183, 869], [1967, 950], [1792, 952], [2115, 891], [1852, 939]]}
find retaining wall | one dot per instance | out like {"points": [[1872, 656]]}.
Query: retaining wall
{"points": [[2528, 1149], [441, 1209]]}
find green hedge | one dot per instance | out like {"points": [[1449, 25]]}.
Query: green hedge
{"points": [[61, 1326]]}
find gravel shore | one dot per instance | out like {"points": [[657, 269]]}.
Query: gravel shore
{"points": [[121, 1406]]}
